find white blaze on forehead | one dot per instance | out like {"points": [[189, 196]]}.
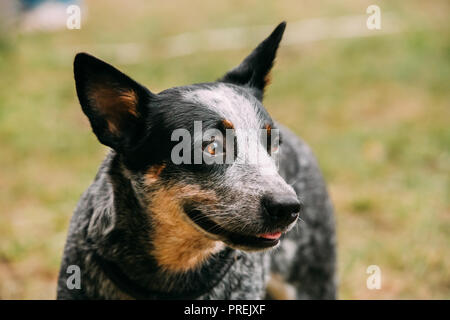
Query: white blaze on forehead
{"points": [[240, 109]]}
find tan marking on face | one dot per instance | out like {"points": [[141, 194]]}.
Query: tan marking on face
{"points": [[178, 245], [114, 105], [269, 129], [227, 124], [153, 173]]}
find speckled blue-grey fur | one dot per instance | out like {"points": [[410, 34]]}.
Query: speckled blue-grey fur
{"points": [[112, 234]]}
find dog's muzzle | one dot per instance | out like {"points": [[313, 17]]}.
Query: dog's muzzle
{"points": [[281, 212]]}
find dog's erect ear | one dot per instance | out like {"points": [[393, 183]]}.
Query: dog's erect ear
{"points": [[254, 70], [115, 104]]}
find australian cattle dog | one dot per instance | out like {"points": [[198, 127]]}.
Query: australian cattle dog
{"points": [[202, 195]]}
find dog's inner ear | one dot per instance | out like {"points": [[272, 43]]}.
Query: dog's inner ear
{"points": [[114, 103], [254, 71]]}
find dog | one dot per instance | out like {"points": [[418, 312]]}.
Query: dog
{"points": [[150, 227]]}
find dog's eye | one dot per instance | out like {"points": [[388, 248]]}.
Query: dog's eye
{"points": [[213, 148]]}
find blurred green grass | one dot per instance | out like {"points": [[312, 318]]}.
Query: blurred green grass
{"points": [[375, 110]]}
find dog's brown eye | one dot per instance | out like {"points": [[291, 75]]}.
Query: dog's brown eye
{"points": [[213, 148]]}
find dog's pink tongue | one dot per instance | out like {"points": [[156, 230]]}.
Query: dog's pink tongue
{"points": [[271, 236]]}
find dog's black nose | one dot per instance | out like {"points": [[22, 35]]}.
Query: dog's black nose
{"points": [[283, 208]]}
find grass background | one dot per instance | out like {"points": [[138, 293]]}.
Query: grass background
{"points": [[375, 110]]}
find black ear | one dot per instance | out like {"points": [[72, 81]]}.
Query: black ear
{"points": [[115, 104], [254, 70]]}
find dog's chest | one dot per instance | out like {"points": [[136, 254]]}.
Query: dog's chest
{"points": [[246, 279]]}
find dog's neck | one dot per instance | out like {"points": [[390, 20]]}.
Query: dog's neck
{"points": [[150, 251], [189, 285]]}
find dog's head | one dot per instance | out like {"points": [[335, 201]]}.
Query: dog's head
{"points": [[204, 154]]}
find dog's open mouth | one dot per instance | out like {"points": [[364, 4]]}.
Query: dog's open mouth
{"points": [[234, 239]]}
